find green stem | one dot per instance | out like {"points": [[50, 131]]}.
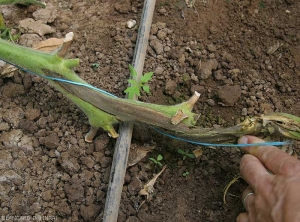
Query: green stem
{"points": [[104, 110], [45, 64]]}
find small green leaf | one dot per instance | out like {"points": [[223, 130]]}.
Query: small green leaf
{"points": [[159, 157], [132, 71], [132, 81], [147, 77], [184, 157], [159, 163], [14, 37], [152, 159], [95, 65], [132, 90], [190, 155], [181, 151], [146, 88], [185, 174]]}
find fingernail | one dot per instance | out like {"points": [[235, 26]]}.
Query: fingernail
{"points": [[243, 140]]}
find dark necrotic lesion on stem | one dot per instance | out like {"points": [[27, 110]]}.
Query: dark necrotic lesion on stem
{"points": [[177, 119]]}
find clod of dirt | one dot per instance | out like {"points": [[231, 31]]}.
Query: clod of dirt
{"points": [[51, 141], [12, 90], [123, 7], [46, 15], [229, 95], [11, 176], [157, 46], [227, 57], [29, 39], [74, 191], [4, 126], [29, 25], [63, 209], [204, 69], [134, 186], [211, 102], [90, 212], [47, 195], [32, 114], [69, 164], [11, 138], [13, 116], [87, 161], [170, 87], [5, 159], [162, 34], [211, 48]]}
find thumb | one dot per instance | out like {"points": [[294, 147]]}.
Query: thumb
{"points": [[249, 140]]}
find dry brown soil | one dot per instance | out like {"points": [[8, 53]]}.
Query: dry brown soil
{"points": [[224, 49]]}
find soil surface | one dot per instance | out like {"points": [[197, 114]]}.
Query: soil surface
{"points": [[242, 56]]}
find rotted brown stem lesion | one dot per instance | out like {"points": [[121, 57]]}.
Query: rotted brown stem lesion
{"points": [[104, 110], [127, 110]]}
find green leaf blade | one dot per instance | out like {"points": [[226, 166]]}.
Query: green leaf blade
{"points": [[159, 157], [181, 151], [190, 155], [146, 77], [146, 88], [152, 159], [132, 71], [132, 90], [132, 82]]}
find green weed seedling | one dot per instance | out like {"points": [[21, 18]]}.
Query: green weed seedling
{"points": [[185, 174], [185, 154], [137, 86], [5, 33], [157, 160], [95, 66]]}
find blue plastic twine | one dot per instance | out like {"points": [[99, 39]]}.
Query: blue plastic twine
{"points": [[157, 130], [222, 144]]}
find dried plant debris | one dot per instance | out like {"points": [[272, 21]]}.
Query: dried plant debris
{"points": [[49, 45], [190, 3], [138, 152], [149, 187], [274, 48], [198, 152], [289, 149]]}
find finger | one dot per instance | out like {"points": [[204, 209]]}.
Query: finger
{"points": [[277, 161], [254, 172], [243, 217], [247, 198]]}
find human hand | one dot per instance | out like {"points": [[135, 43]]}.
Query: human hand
{"points": [[274, 179]]}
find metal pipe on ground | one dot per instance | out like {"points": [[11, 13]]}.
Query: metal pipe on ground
{"points": [[122, 147]]}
